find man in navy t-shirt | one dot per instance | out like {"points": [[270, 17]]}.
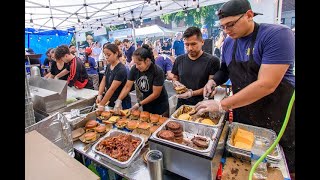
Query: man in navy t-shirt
{"points": [[258, 59], [128, 50], [178, 45]]}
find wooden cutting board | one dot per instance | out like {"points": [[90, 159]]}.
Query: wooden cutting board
{"points": [[235, 169]]}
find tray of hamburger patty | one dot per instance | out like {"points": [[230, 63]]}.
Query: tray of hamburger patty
{"points": [[187, 112], [114, 133], [195, 137], [266, 134]]}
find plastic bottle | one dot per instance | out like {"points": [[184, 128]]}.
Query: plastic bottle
{"points": [[259, 147]]}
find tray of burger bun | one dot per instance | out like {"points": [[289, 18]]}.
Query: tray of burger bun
{"points": [[188, 113], [187, 135], [93, 131], [138, 122]]}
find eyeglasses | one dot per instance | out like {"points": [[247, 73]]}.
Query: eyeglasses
{"points": [[228, 27]]}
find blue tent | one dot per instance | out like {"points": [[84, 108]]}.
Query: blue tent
{"points": [[41, 40]]}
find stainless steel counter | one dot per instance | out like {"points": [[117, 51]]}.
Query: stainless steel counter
{"points": [[138, 169]]}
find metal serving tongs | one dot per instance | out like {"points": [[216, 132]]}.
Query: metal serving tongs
{"points": [[207, 96], [87, 147]]}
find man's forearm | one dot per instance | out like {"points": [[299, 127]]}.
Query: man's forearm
{"points": [[222, 75], [246, 96], [197, 92], [62, 73]]}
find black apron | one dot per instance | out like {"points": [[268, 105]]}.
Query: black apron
{"points": [[268, 112]]}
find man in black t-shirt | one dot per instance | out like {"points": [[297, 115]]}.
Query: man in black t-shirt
{"points": [[193, 69], [78, 76]]}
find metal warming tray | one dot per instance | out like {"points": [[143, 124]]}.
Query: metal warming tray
{"points": [[48, 95], [176, 114], [267, 134], [112, 133], [57, 129], [190, 130], [188, 163]]}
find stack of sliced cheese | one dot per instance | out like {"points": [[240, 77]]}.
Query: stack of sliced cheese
{"points": [[243, 139]]}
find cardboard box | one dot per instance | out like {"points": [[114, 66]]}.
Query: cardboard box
{"points": [[45, 160]]}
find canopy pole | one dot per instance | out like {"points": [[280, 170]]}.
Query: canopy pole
{"points": [[28, 40], [134, 35], [279, 10], [75, 39]]}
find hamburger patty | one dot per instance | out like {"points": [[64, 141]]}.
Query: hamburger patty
{"points": [[178, 140], [177, 131], [200, 142], [165, 134], [173, 125], [178, 134]]}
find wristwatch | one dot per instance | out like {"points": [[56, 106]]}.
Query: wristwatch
{"points": [[139, 104]]}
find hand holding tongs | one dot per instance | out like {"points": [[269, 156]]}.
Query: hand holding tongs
{"points": [[207, 96]]}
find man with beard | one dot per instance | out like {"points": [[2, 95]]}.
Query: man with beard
{"points": [[73, 49], [128, 51], [193, 69]]}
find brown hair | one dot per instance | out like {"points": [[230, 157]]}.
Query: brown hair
{"points": [[113, 48], [117, 42], [61, 51]]}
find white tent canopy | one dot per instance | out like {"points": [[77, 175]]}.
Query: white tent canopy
{"points": [[62, 14], [153, 31]]}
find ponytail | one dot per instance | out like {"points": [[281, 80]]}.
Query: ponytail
{"points": [[144, 52]]}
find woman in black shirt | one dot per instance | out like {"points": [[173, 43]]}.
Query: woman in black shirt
{"points": [[114, 79], [58, 69], [149, 79]]}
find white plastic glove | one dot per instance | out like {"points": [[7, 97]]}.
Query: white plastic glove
{"points": [[100, 107], [212, 106], [135, 107], [99, 98], [117, 106], [186, 95], [207, 90], [177, 84]]}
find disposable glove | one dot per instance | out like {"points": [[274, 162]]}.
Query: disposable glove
{"points": [[117, 106], [99, 98], [135, 107], [207, 90], [177, 84], [186, 95], [100, 107], [211, 106]]}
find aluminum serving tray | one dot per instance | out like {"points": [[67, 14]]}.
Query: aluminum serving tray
{"points": [[191, 129], [112, 133], [267, 134], [176, 114]]}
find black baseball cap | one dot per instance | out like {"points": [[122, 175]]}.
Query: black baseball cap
{"points": [[235, 7]]}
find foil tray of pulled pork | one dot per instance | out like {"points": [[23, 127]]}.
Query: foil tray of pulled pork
{"points": [[118, 147]]}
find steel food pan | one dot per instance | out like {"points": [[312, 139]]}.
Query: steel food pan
{"points": [[175, 115], [112, 133], [190, 130], [267, 134]]}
